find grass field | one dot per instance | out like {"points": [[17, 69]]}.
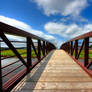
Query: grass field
{"points": [[10, 53], [6, 53], [82, 54]]}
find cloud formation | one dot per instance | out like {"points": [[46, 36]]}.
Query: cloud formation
{"points": [[67, 31], [25, 27], [63, 7]]}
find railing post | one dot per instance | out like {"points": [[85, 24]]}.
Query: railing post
{"points": [[5, 39], [39, 50], [71, 48], [68, 47], [29, 57], [1, 88], [43, 48], [86, 51], [46, 47], [76, 48]]}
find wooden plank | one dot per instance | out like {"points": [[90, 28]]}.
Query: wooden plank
{"points": [[66, 90], [58, 73]]}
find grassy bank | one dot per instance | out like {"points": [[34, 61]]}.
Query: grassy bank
{"points": [[6, 53], [82, 54]]}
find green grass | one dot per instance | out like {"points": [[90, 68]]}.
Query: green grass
{"points": [[82, 54], [6, 53], [10, 53]]}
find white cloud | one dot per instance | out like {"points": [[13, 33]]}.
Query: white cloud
{"points": [[63, 7], [70, 19], [67, 31], [25, 27]]}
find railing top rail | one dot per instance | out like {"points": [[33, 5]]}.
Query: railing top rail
{"points": [[18, 32], [86, 35]]}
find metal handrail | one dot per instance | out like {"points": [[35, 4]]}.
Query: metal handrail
{"points": [[73, 45], [46, 47], [86, 35], [19, 32]]}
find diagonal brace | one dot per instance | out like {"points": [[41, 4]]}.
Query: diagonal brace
{"points": [[42, 48], [80, 49], [34, 48], [5, 39], [89, 63]]}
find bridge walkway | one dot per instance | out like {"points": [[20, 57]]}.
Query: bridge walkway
{"points": [[58, 72]]}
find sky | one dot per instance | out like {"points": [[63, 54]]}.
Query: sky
{"points": [[53, 20]]}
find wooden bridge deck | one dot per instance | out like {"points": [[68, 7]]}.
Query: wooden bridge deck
{"points": [[56, 73]]}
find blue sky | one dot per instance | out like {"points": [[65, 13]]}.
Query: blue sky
{"points": [[55, 20]]}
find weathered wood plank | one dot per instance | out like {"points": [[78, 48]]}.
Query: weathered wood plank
{"points": [[58, 73]]}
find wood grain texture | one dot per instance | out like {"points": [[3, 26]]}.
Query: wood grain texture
{"points": [[56, 73]]}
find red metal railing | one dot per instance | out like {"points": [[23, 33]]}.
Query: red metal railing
{"points": [[80, 48], [42, 48]]}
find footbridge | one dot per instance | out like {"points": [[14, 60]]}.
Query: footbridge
{"points": [[37, 66]]}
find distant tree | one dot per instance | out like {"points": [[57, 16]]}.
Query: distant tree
{"points": [[90, 46]]}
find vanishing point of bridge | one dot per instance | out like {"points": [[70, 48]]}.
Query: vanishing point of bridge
{"points": [[65, 70]]}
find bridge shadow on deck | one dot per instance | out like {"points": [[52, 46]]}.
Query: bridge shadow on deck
{"points": [[29, 82]]}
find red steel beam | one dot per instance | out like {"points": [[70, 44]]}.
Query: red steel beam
{"points": [[1, 88], [12, 48], [86, 51], [29, 55], [19, 32], [80, 50], [89, 34], [39, 49], [71, 48], [10, 84], [11, 70]]}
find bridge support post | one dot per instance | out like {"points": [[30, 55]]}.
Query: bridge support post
{"points": [[5, 39], [71, 48], [29, 56], [46, 47], [39, 50], [68, 47], [1, 88], [76, 48], [43, 48], [86, 51]]}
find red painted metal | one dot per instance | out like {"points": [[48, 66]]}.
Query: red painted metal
{"points": [[39, 50], [86, 35], [12, 48], [1, 88], [75, 48], [89, 64], [86, 51], [71, 48], [89, 72], [18, 77], [11, 71], [34, 48], [15, 31], [29, 58], [45, 47], [80, 49], [16, 41], [10, 64]]}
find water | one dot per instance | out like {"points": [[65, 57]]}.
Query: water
{"points": [[8, 61], [7, 69]]}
